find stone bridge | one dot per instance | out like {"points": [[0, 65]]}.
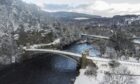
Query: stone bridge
{"points": [[101, 62], [75, 57], [94, 36]]}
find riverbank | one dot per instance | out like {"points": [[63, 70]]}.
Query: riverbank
{"points": [[124, 71]]}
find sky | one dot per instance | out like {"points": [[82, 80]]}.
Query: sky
{"points": [[107, 8]]}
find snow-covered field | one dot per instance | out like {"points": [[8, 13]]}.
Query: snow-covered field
{"points": [[102, 67], [83, 79]]}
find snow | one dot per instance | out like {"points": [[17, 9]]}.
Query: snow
{"points": [[35, 46], [83, 79], [102, 63], [103, 67], [81, 18], [137, 41]]}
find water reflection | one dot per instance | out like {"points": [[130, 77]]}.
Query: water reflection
{"points": [[79, 48], [64, 64]]}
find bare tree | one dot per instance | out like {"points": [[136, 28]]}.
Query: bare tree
{"points": [[122, 42], [102, 46], [119, 75]]}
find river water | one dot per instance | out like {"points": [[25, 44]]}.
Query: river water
{"points": [[45, 68]]}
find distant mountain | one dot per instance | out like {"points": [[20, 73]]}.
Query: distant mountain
{"points": [[93, 20], [73, 15], [125, 16]]}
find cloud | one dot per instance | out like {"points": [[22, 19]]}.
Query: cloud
{"points": [[39, 3], [103, 8], [70, 2], [123, 1], [58, 7], [96, 7]]}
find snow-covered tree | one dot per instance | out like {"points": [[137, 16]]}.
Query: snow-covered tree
{"points": [[119, 75], [122, 42]]}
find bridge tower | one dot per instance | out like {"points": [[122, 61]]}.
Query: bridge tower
{"points": [[28, 45], [84, 60]]}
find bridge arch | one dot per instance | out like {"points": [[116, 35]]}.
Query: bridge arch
{"points": [[72, 56], [76, 60]]}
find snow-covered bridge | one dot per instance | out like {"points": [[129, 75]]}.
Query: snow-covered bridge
{"points": [[53, 51], [101, 62], [105, 37], [76, 57], [95, 36], [70, 55], [136, 40]]}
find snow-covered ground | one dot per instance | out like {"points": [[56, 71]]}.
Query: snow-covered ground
{"points": [[55, 42], [83, 79], [103, 67], [137, 41]]}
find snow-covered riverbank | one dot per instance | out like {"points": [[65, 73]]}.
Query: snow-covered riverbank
{"points": [[84, 79], [132, 72]]}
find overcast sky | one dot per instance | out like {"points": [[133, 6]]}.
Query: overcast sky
{"points": [[95, 7]]}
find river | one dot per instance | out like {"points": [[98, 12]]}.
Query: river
{"points": [[45, 68]]}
